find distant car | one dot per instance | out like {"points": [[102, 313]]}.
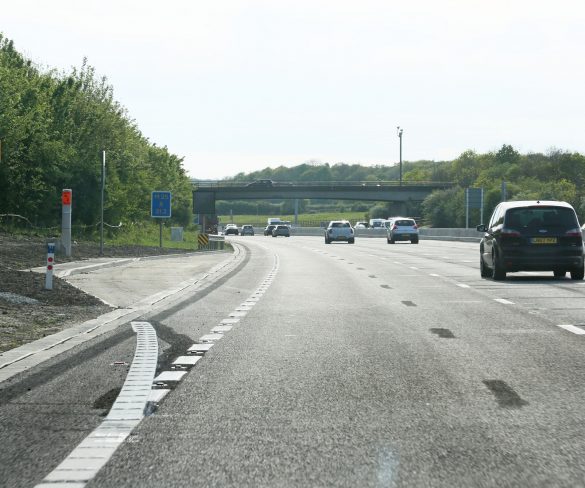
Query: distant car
{"points": [[402, 229], [361, 225], [281, 230], [268, 229], [231, 229], [261, 183], [377, 224], [247, 230], [532, 236], [339, 230]]}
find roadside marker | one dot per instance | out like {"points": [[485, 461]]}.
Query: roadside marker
{"points": [[50, 264]]}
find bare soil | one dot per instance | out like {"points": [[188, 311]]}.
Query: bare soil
{"points": [[28, 311]]}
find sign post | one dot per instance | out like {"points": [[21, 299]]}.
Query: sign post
{"points": [[102, 203], [473, 199], [50, 264], [66, 198], [160, 208]]}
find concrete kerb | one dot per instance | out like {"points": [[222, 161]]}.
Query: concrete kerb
{"points": [[63, 270], [22, 358]]}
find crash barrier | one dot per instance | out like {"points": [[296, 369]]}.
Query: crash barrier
{"points": [[464, 235], [210, 242], [446, 234]]}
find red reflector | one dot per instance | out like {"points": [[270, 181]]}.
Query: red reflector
{"points": [[49, 267], [50, 260]]}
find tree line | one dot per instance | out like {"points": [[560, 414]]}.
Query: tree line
{"points": [[53, 129], [556, 175]]}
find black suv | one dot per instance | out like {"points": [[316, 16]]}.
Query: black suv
{"points": [[532, 236]]}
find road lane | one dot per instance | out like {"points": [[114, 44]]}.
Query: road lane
{"points": [[370, 365]]}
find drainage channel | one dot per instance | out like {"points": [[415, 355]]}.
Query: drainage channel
{"points": [[93, 453]]}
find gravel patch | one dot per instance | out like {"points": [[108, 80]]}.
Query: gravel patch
{"points": [[29, 312]]}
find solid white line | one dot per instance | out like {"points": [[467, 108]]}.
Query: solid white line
{"points": [[572, 328], [504, 301]]}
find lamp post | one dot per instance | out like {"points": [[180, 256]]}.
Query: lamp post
{"points": [[399, 130]]}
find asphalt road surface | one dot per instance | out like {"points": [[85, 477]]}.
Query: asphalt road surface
{"points": [[368, 365]]}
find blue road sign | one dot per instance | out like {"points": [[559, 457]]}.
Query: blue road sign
{"points": [[160, 204]]}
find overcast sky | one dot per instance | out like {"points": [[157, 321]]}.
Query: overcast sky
{"points": [[239, 85]]}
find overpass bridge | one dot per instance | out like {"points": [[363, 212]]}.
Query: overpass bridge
{"points": [[205, 193]]}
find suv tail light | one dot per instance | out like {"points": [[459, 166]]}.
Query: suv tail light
{"points": [[574, 232], [509, 232], [394, 227]]}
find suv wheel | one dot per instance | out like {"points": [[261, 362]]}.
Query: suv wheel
{"points": [[578, 273], [559, 273], [414, 241], [350, 241], [498, 271], [483, 269]]}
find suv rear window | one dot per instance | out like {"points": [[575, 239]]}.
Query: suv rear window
{"points": [[554, 218], [340, 224]]}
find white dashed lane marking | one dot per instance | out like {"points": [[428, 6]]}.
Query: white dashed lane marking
{"points": [[206, 341], [572, 328], [503, 301]]}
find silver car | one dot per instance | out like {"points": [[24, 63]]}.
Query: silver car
{"points": [[247, 230], [281, 230], [339, 230], [402, 229]]}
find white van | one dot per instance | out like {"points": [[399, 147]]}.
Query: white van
{"points": [[378, 224]]}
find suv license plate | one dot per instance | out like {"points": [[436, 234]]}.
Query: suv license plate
{"points": [[544, 240]]}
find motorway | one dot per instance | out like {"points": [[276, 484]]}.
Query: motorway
{"points": [[369, 365]]}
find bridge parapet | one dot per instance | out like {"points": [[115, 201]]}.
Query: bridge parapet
{"points": [[269, 184], [205, 193]]}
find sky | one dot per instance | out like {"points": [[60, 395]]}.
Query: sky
{"points": [[240, 85]]}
